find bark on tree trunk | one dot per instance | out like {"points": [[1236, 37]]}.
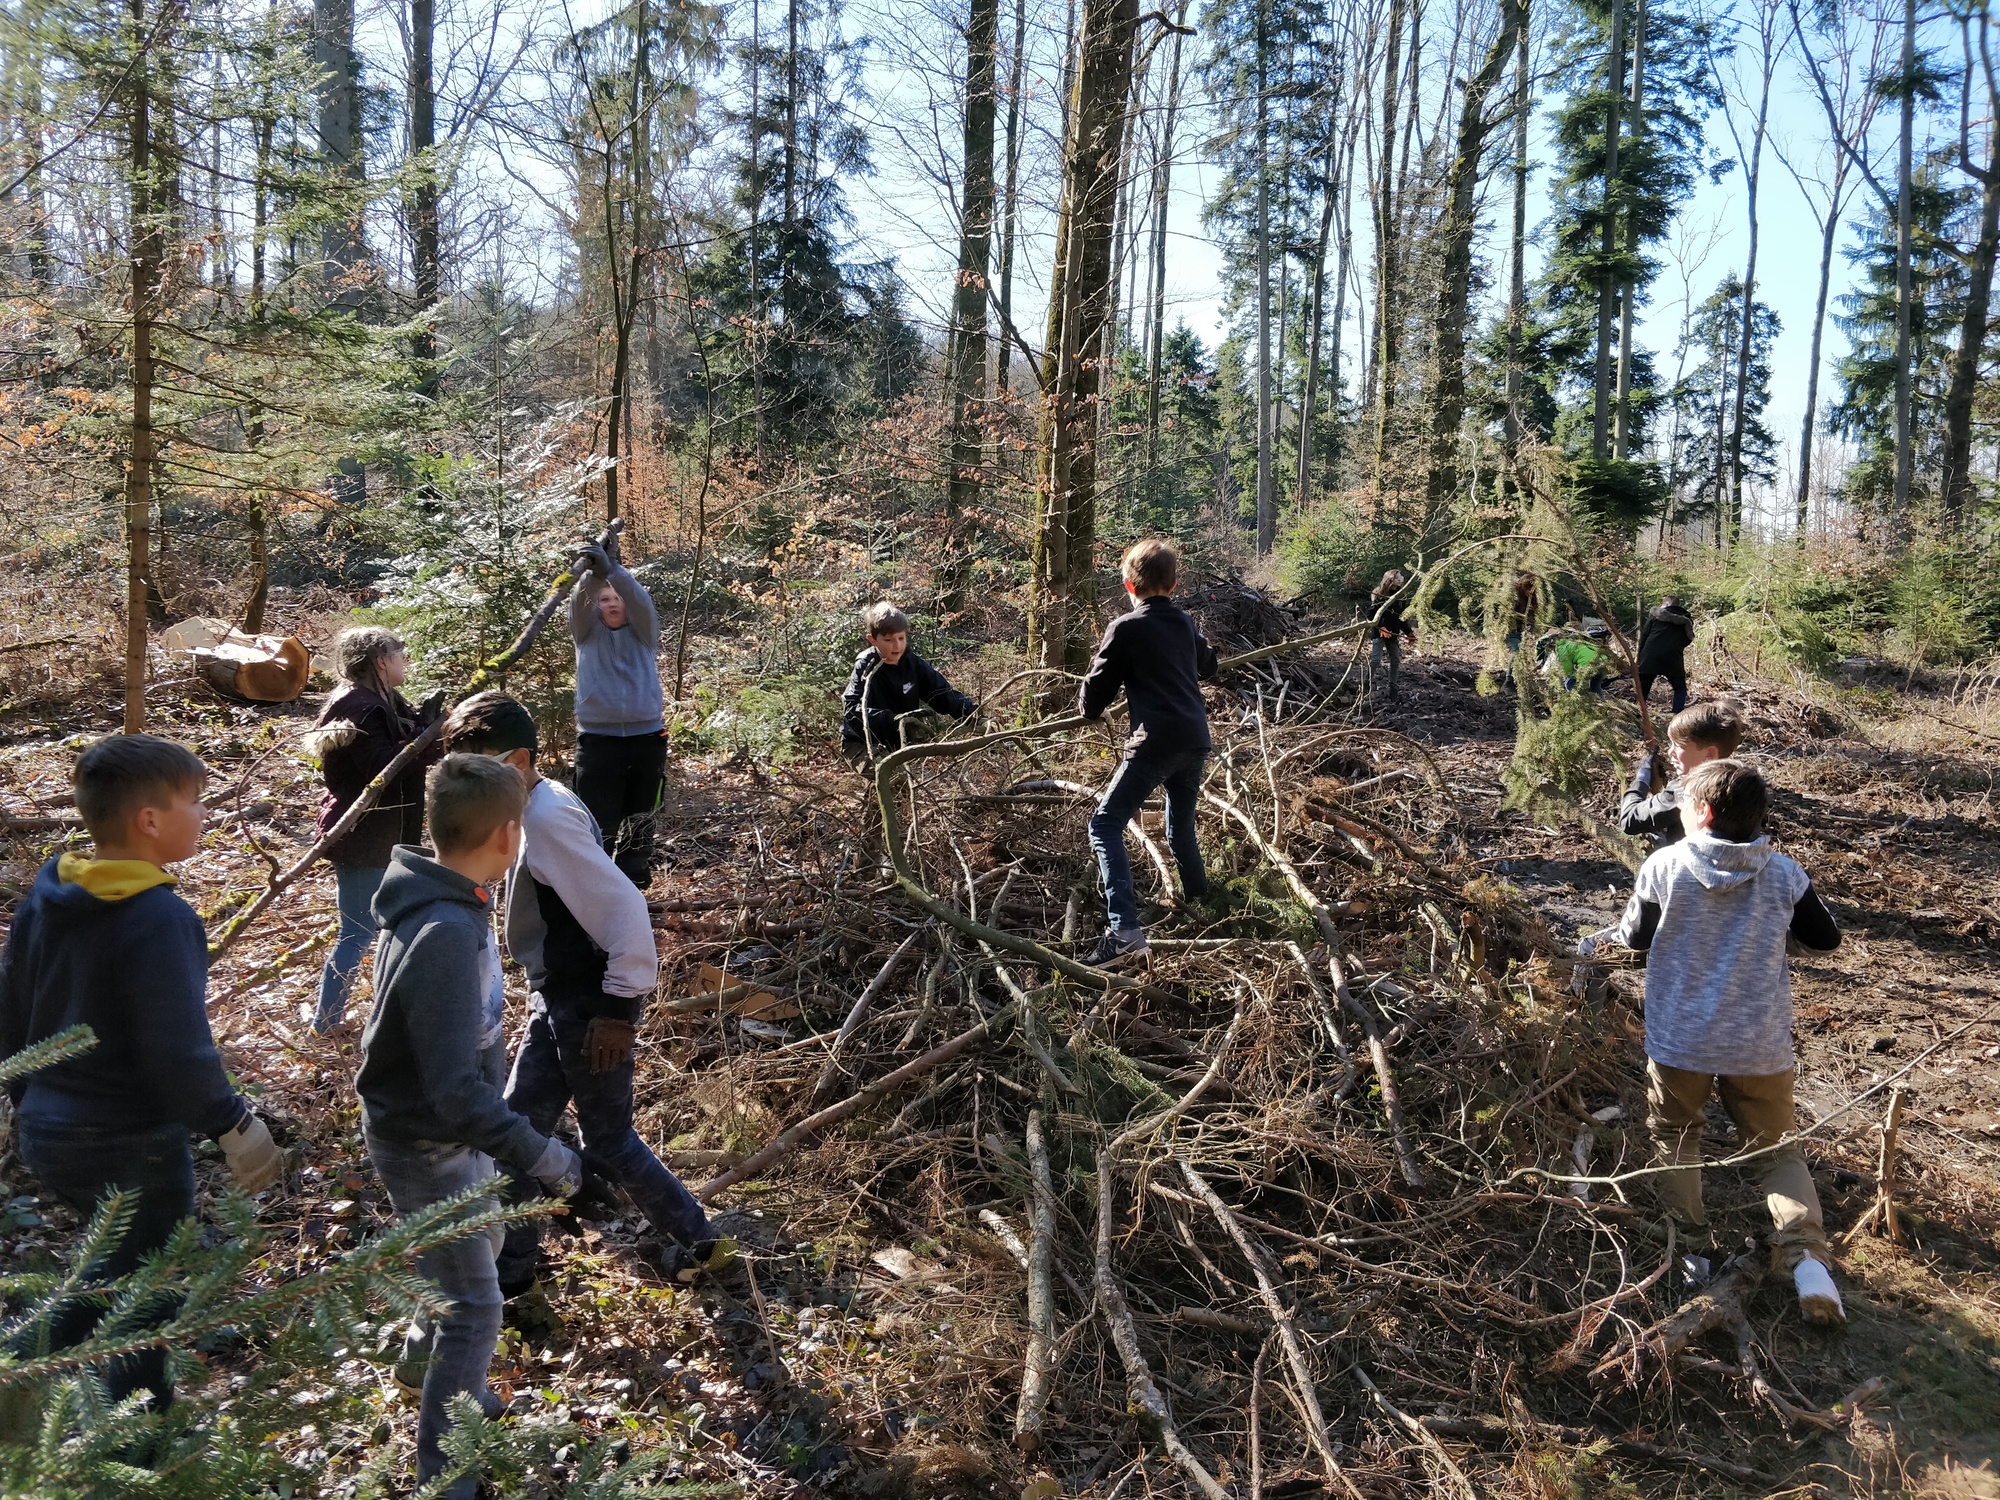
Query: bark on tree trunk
{"points": [[1062, 598], [1517, 268], [1316, 318], [1385, 245], [1957, 481], [424, 249], [147, 253], [1163, 181], [975, 246], [1455, 276], [1600, 413], [1748, 318], [1621, 416], [1899, 518], [1267, 509], [625, 299], [1016, 64], [1810, 422]]}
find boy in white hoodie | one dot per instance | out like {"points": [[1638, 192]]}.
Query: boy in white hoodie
{"points": [[1714, 914]]}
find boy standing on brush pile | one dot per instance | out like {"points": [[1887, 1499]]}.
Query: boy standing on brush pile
{"points": [[621, 732], [1695, 736], [432, 1058], [584, 936], [890, 683], [104, 942], [1158, 656], [1713, 915]]}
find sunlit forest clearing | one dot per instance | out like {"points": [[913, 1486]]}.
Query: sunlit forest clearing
{"points": [[1462, 351]]}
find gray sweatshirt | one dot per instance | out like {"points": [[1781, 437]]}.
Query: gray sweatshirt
{"points": [[434, 1057], [1713, 917], [617, 671], [574, 921]]}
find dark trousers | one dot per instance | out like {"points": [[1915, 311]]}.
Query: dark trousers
{"points": [[1131, 785], [552, 1072], [622, 778], [1677, 679], [83, 1165]]}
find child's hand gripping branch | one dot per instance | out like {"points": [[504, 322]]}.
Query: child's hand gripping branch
{"points": [[890, 687], [1714, 915]]}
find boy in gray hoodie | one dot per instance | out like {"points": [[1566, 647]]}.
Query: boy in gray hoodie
{"points": [[432, 1062], [1714, 914], [621, 741]]}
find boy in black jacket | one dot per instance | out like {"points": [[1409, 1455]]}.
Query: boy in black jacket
{"points": [[1158, 656], [889, 683], [432, 1061], [104, 942]]}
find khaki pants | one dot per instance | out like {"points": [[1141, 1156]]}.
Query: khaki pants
{"points": [[1761, 1106]]}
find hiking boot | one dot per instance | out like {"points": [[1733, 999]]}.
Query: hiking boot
{"points": [[1819, 1298], [1114, 947]]}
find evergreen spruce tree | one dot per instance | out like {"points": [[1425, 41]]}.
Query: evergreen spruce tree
{"points": [[1704, 403]]}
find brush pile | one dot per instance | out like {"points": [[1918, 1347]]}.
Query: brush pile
{"points": [[1298, 1208]]}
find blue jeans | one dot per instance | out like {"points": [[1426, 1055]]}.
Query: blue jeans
{"points": [[356, 886], [552, 1072], [1131, 785], [82, 1165], [1678, 681], [460, 1345]]}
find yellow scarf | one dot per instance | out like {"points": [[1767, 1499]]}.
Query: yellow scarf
{"points": [[111, 879]]}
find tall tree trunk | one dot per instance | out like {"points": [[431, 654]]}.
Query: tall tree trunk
{"points": [[630, 264], [339, 141], [1607, 286], [1316, 316], [148, 250], [1267, 507], [1461, 215], [1621, 416], [424, 248], [1163, 168], [1809, 423], [1899, 519], [975, 244], [1517, 256], [1385, 245], [1016, 64], [758, 327], [1062, 597], [1343, 269], [1972, 330], [1748, 319]]}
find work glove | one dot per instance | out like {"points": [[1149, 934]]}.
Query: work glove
{"points": [[1642, 778], [431, 709], [594, 560], [254, 1158], [607, 1041], [559, 1170]]}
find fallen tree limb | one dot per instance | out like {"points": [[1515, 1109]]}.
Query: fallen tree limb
{"points": [[404, 759], [1445, 1466], [1719, 1305], [790, 1139], [1378, 1055], [892, 831], [277, 965], [858, 1014], [1038, 1370], [1281, 1319]]}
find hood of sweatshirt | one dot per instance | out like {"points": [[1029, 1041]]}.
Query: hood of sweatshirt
{"points": [[414, 880], [76, 881], [1722, 864]]}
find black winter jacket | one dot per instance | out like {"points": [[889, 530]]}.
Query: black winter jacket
{"points": [[398, 815], [1158, 655], [1666, 634], [909, 687]]}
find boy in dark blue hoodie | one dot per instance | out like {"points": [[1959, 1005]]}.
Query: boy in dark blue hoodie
{"points": [[104, 942], [1158, 656], [432, 1063]]}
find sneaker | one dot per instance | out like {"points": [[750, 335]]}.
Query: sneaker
{"points": [[327, 1020], [707, 1258], [1115, 946], [1819, 1298]]}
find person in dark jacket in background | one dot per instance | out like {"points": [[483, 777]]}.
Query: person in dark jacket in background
{"points": [[1663, 643], [1390, 628], [1158, 655], [888, 685], [105, 942], [621, 731], [365, 724], [433, 1118]]}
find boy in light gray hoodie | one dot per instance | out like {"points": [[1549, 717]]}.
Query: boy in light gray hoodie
{"points": [[621, 742], [1715, 914]]}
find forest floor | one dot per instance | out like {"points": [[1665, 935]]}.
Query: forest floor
{"points": [[1448, 1327]]}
